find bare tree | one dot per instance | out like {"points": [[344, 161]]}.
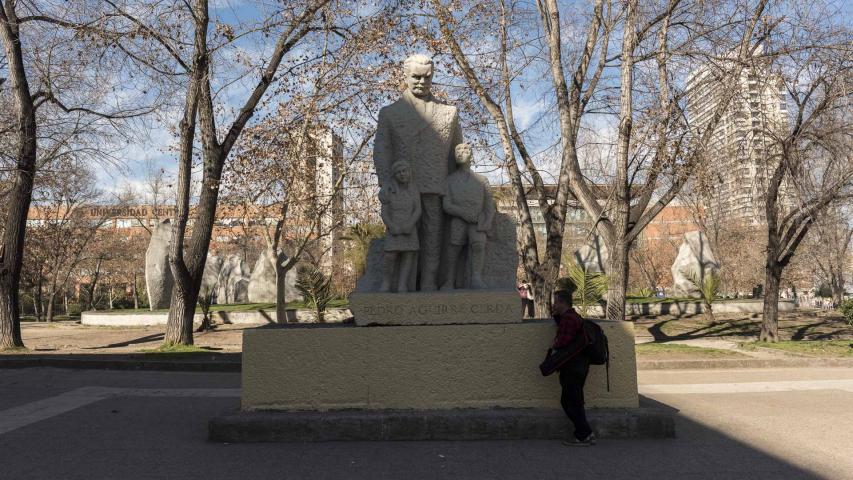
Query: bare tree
{"points": [[809, 160], [64, 230], [59, 96], [831, 251], [656, 146]]}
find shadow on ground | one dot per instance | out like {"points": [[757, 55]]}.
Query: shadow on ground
{"points": [[152, 438]]}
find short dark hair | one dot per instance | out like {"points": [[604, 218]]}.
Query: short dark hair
{"points": [[564, 296]]}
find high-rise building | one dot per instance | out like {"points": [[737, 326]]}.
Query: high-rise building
{"points": [[737, 160]]}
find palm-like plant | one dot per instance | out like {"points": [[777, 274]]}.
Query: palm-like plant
{"points": [[316, 289], [709, 289], [589, 287]]}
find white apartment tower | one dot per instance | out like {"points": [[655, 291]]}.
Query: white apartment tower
{"points": [[743, 139], [320, 198]]}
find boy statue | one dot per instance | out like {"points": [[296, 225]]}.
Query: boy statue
{"points": [[468, 200]]}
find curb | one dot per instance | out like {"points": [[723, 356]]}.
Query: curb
{"points": [[418, 425], [32, 361], [743, 363]]}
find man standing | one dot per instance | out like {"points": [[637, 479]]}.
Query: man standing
{"points": [[419, 129], [573, 373]]}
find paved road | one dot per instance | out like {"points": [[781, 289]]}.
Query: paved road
{"points": [[753, 424]]}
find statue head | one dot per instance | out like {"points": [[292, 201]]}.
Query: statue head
{"points": [[463, 154], [418, 71], [402, 171]]}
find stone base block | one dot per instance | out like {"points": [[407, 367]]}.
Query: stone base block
{"points": [[436, 308], [495, 424], [430, 367]]}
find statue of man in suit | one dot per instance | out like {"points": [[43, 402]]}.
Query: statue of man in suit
{"points": [[424, 132]]}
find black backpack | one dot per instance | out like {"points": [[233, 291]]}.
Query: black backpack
{"points": [[596, 348]]}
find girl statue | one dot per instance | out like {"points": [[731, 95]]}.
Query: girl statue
{"points": [[401, 210]]}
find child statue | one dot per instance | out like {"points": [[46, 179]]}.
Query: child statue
{"points": [[401, 210], [468, 200]]}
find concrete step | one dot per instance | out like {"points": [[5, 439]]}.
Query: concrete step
{"points": [[461, 424]]}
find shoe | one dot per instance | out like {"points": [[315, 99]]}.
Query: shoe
{"points": [[574, 442]]}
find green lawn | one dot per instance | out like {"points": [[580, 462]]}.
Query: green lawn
{"points": [[239, 307], [818, 348], [658, 350], [631, 299]]}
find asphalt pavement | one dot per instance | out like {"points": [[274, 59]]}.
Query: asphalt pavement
{"points": [[101, 424]]}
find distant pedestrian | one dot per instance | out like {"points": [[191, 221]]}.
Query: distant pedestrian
{"points": [[525, 291], [574, 372]]}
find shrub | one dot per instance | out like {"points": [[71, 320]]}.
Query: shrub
{"points": [[590, 287], [315, 288], [847, 310]]}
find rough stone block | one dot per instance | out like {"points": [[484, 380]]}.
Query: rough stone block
{"points": [[158, 275]]}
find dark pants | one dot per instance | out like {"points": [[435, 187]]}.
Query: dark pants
{"points": [[572, 379], [527, 304]]}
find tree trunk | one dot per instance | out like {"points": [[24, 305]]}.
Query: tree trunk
{"points": [[65, 301], [38, 302], [94, 284], [770, 325], [135, 293], [543, 289], [837, 286], [51, 299], [10, 326], [111, 297], [617, 285], [709, 312], [281, 287], [21, 191], [179, 327]]}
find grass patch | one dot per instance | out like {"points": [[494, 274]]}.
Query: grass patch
{"points": [[818, 348], [14, 350], [630, 299], [239, 307], [672, 349], [177, 348]]}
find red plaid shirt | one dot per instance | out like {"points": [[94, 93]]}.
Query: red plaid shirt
{"points": [[569, 325]]}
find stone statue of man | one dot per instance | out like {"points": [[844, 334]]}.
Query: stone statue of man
{"points": [[423, 132]]}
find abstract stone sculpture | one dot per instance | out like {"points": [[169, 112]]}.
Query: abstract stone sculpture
{"points": [[210, 276], [262, 283], [158, 275], [234, 270], [593, 257], [694, 256]]}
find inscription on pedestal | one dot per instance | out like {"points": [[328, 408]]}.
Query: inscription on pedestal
{"points": [[434, 308]]}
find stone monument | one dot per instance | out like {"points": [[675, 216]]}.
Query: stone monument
{"points": [[210, 276], [694, 255], [421, 130], [455, 363], [593, 257], [233, 281], [158, 275], [262, 283], [441, 223]]}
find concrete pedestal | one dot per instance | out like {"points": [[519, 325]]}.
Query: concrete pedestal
{"points": [[431, 367]]}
